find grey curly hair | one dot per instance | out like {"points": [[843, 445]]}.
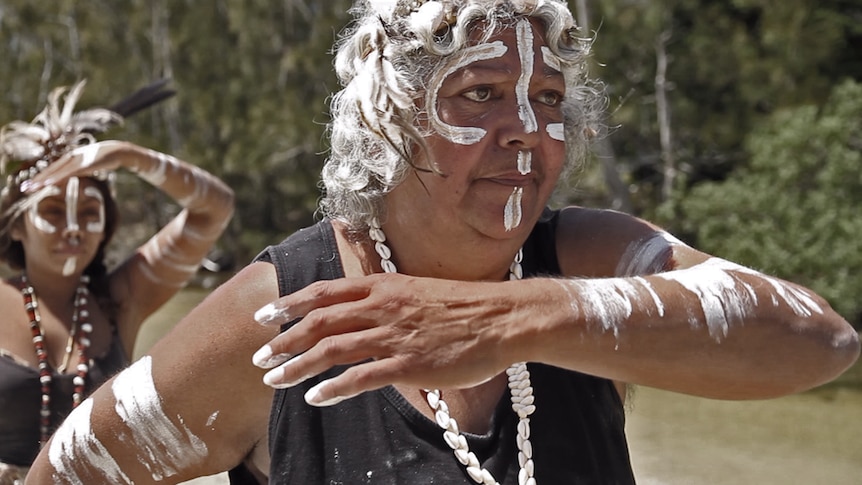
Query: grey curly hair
{"points": [[384, 62]]}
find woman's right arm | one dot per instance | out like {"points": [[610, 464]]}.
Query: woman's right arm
{"points": [[193, 406]]}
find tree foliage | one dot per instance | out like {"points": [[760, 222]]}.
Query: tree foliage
{"points": [[794, 210]]}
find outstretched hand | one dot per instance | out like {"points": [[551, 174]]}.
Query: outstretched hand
{"points": [[396, 329]]}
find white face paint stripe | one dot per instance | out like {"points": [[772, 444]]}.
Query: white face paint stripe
{"points": [[556, 131], [522, 90], [512, 213], [525, 162], [74, 444], [33, 212], [99, 225], [72, 189], [162, 447], [69, 265], [462, 135]]}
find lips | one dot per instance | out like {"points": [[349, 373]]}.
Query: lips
{"points": [[514, 179]]}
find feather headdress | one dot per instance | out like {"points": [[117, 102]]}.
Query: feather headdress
{"points": [[28, 148]]}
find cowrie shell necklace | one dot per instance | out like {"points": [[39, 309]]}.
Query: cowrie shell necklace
{"points": [[519, 387]]}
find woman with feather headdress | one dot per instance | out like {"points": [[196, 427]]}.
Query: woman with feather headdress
{"points": [[69, 323], [442, 324]]}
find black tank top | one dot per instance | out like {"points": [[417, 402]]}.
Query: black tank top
{"points": [[378, 437], [21, 393]]}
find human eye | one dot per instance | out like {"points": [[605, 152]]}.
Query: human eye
{"points": [[550, 98], [89, 214], [479, 94], [50, 209]]}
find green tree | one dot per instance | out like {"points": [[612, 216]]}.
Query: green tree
{"points": [[794, 211]]}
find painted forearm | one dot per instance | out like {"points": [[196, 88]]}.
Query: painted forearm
{"points": [[193, 188], [697, 329]]}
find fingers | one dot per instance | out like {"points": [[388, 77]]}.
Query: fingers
{"points": [[350, 383], [317, 295], [330, 352], [80, 160]]}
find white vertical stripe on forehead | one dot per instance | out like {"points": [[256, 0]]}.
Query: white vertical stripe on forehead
{"points": [[162, 447], [462, 135], [72, 188], [525, 51], [75, 444], [33, 212]]}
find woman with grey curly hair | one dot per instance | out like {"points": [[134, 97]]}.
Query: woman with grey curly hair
{"points": [[441, 324]]}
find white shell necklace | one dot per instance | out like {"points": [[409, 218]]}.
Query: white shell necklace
{"points": [[519, 387]]}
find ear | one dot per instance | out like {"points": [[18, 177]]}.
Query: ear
{"points": [[17, 231]]}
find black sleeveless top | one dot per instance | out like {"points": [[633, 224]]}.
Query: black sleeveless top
{"points": [[21, 393], [378, 437]]}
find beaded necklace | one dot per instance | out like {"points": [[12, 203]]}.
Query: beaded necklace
{"points": [[519, 387], [80, 334]]}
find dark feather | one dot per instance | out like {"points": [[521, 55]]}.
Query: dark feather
{"points": [[142, 98]]}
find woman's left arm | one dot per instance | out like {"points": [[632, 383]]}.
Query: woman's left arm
{"points": [[662, 314], [634, 305]]}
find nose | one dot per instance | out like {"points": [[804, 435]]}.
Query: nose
{"points": [[72, 232], [518, 127]]}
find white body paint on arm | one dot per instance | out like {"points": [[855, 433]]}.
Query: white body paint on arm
{"points": [[74, 444], [161, 446]]}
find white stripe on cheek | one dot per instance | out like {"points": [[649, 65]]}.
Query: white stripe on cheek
{"points": [[522, 90], [525, 162], [462, 135], [38, 222], [75, 445], [99, 225], [162, 447], [512, 214], [555, 130]]}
